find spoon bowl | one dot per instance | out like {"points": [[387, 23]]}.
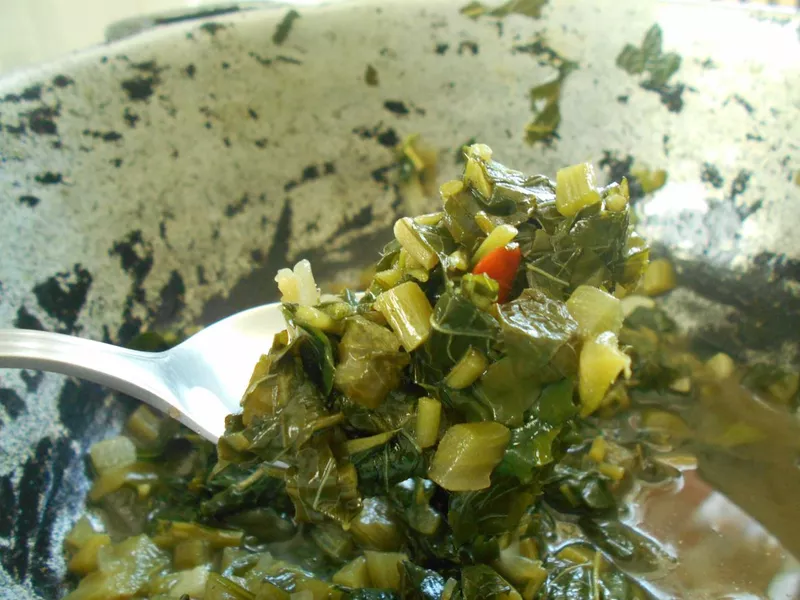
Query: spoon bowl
{"points": [[198, 382]]}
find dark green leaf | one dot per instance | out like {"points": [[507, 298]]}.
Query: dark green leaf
{"points": [[411, 500], [371, 75], [544, 124], [534, 328], [458, 325], [662, 69], [459, 218], [654, 318], [481, 582], [568, 581], [508, 394], [389, 255], [556, 405], [528, 8], [320, 483], [263, 522], [530, 448], [651, 45], [417, 583], [284, 27], [489, 512], [317, 354], [572, 489], [396, 412], [589, 248], [240, 487], [370, 362], [468, 404], [381, 468], [480, 289], [631, 59], [635, 551]]}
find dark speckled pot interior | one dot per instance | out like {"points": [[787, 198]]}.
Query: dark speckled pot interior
{"points": [[161, 180]]}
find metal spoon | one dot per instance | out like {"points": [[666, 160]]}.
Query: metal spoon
{"points": [[198, 382]]}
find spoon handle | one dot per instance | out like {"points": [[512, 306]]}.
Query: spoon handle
{"points": [[138, 374]]}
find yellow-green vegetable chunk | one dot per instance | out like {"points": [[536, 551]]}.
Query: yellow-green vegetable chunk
{"points": [[467, 455]]}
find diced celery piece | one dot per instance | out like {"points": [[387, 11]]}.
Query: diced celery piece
{"points": [[576, 188], [170, 533], [429, 414], [83, 530], [354, 574], [576, 553], [144, 425], [467, 370], [659, 278], [479, 151], [450, 587], [613, 472], [595, 311], [499, 237], [375, 527], [384, 568], [270, 591], [450, 188], [416, 247], [597, 452], [318, 589], [231, 555], [721, 366], [388, 278], [484, 222], [475, 177], [408, 312], [458, 260], [189, 582], [601, 362], [112, 453], [429, 219], [467, 455], [616, 202], [356, 445], [191, 553], [518, 569], [221, 588], [634, 301], [313, 317], [124, 570], [85, 560], [110, 480], [332, 540], [649, 179]]}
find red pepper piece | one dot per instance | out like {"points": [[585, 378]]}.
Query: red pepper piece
{"points": [[501, 264]]}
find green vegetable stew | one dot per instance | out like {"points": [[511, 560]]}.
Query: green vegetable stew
{"points": [[464, 430]]}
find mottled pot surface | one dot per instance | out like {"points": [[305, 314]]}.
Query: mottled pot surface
{"points": [[163, 179]]}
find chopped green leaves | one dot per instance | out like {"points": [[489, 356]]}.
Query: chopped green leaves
{"points": [[527, 8], [535, 327], [370, 362], [284, 27], [660, 66], [530, 448], [545, 107], [423, 441]]}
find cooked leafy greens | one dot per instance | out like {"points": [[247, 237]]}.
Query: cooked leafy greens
{"points": [[423, 441]]}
